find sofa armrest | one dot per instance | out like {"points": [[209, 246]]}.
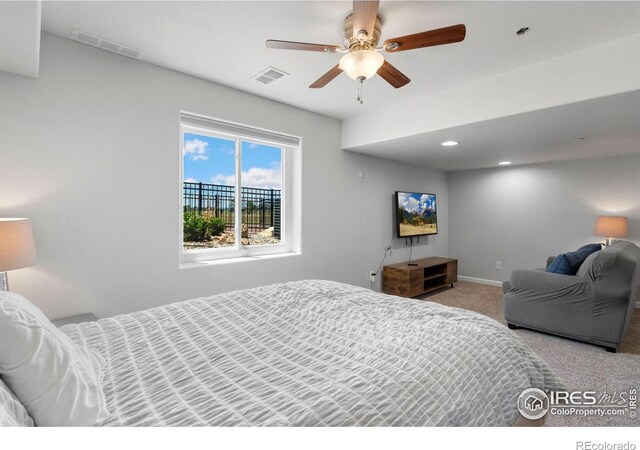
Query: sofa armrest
{"points": [[545, 282], [560, 304]]}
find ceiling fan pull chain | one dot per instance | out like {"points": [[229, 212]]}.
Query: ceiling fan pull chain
{"points": [[360, 98]]}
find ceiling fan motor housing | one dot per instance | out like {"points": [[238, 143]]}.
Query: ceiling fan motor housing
{"points": [[351, 41]]}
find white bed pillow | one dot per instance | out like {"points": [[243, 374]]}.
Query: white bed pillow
{"points": [[12, 413], [52, 377]]}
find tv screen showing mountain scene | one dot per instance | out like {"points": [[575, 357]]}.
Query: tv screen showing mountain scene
{"points": [[416, 214]]}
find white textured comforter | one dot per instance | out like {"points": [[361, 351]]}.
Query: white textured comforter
{"points": [[310, 353]]}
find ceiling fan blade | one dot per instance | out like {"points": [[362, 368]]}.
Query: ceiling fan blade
{"points": [[324, 79], [447, 35], [291, 45], [393, 76], [364, 16]]}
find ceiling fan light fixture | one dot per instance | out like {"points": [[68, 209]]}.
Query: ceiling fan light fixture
{"points": [[361, 63]]}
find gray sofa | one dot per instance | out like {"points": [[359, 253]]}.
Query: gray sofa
{"points": [[593, 306]]}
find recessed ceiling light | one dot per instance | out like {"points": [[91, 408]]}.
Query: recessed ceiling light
{"points": [[578, 139], [450, 143], [504, 163]]}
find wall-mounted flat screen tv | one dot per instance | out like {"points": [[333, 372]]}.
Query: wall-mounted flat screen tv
{"points": [[416, 214]]}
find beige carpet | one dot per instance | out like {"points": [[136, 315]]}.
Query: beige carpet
{"points": [[581, 366]]}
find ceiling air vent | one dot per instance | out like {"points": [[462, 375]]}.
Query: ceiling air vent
{"points": [[106, 44], [268, 75]]}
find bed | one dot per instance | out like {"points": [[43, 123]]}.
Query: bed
{"points": [[309, 353]]}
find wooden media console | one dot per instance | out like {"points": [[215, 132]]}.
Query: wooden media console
{"points": [[420, 276]]}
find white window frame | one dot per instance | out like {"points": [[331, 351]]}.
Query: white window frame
{"points": [[289, 194]]}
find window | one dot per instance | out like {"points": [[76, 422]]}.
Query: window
{"points": [[237, 190]]}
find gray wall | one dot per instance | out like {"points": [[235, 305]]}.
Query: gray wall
{"points": [[90, 152], [377, 228], [520, 215]]}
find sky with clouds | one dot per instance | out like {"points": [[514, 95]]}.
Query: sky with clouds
{"points": [[212, 160], [416, 203]]}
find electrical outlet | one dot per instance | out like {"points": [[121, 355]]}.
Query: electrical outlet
{"points": [[498, 265], [372, 277]]}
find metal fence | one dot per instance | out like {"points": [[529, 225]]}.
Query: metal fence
{"points": [[260, 207]]}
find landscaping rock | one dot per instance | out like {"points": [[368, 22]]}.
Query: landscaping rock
{"points": [[264, 237]]}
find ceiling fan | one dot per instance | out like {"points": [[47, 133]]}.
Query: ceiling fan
{"points": [[362, 59]]}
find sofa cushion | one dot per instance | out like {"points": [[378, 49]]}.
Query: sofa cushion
{"points": [[592, 248], [569, 263], [561, 265]]}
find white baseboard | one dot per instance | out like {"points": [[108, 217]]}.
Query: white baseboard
{"points": [[480, 281]]}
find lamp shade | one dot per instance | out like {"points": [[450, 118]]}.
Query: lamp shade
{"points": [[16, 244], [361, 63], [612, 226]]}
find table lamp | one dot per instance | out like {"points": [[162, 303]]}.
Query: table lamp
{"points": [[16, 247], [611, 227]]}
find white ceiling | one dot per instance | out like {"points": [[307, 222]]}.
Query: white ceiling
{"points": [[223, 41], [609, 123]]}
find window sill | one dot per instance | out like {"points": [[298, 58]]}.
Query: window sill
{"points": [[234, 260]]}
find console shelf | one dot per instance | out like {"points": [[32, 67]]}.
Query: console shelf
{"points": [[420, 276]]}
